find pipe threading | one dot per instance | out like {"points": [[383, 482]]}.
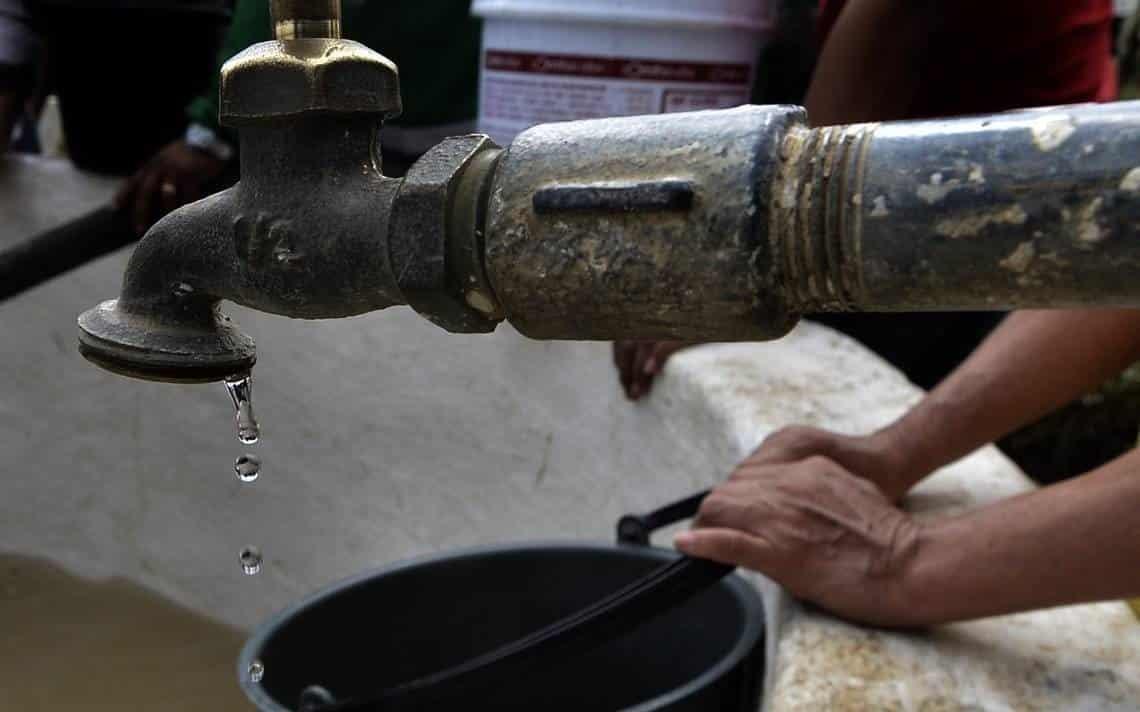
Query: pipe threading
{"points": [[816, 216]]}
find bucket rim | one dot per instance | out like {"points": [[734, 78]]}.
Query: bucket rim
{"points": [[514, 10], [752, 630]]}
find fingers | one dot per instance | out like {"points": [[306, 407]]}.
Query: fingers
{"points": [[151, 194], [735, 505], [169, 195], [654, 359], [145, 200], [729, 546], [623, 359], [125, 196], [658, 353], [642, 377], [793, 443], [631, 357], [640, 362]]}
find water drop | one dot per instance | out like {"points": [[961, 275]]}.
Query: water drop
{"points": [[256, 671], [182, 289], [240, 388], [250, 558], [247, 467], [315, 698]]}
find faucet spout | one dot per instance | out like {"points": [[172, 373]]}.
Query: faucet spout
{"points": [[167, 324], [302, 235]]}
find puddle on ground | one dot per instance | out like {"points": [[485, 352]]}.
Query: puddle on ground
{"points": [[107, 646]]}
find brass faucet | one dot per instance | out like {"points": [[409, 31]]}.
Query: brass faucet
{"points": [[305, 232], [715, 225]]}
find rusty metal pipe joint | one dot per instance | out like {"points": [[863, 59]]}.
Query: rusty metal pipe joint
{"points": [[714, 225]]}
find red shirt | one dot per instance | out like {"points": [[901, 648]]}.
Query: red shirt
{"points": [[1006, 54]]}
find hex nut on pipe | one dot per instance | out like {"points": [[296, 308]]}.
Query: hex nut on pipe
{"points": [[436, 208]]}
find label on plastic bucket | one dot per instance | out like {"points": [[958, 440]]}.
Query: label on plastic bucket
{"points": [[521, 89]]}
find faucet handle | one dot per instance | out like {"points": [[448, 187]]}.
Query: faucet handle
{"points": [[307, 69]]}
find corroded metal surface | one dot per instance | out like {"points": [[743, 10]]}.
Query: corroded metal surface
{"points": [[421, 227], [815, 248], [295, 19], [721, 225], [302, 234], [610, 259], [1036, 208], [300, 76]]}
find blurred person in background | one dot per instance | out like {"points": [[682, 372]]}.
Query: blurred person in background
{"points": [[123, 71], [435, 44]]}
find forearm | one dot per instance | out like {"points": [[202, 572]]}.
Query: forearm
{"points": [[1075, 542], [870, 65], [1035, 362]]}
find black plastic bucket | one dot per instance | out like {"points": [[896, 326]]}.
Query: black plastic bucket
{"points": [[378, 630]]}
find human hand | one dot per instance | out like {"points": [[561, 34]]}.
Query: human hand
{"points": [[827, 536], [176, 175], [639, 362], [878, 458]]}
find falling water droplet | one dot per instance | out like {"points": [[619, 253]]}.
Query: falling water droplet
{"points": [[247, 467], [182, 289], [250, 558], [256, 671], [315, 698], [240, 388]]}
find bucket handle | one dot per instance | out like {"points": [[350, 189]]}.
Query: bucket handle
{"points": [[635, 529]]}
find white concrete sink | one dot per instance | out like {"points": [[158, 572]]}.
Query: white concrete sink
{"points": [[384, 438]]}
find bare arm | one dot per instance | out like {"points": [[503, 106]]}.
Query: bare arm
{"points": [[871, 65], [1074, 542], [1035, 362]]}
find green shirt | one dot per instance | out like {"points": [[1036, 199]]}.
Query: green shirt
{"points": [[435, 44]]}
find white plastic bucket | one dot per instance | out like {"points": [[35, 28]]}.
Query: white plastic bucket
{"points": [[560, 60]]}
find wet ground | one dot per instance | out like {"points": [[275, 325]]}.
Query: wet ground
{"points": [[67, 643]]}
